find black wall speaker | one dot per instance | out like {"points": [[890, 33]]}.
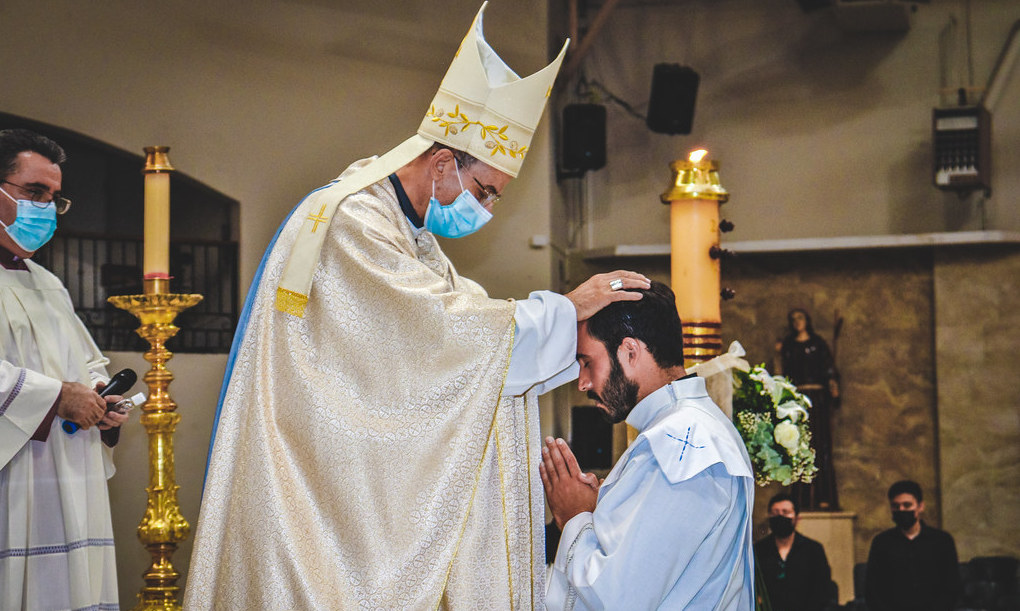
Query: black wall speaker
{"points": [[591, 438], [584, 137], [671, 107]]}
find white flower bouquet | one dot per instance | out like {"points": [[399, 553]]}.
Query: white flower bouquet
{"points": [[771, 417]]}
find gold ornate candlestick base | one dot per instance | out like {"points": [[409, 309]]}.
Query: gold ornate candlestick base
{"points": [[163, 526]]}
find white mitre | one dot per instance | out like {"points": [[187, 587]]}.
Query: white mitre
{"points": [[484, 108]]}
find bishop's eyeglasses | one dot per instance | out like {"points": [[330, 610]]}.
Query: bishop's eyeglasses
{"points": [[491, 196]]}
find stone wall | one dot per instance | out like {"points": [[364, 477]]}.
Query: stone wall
{"points": [[885, 428], [977, 333]]}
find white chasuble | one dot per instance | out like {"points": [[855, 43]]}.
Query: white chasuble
{"points": [[364, 456], [56, 537]]}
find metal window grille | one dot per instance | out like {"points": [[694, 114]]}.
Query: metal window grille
{"points": [[96, 267]]}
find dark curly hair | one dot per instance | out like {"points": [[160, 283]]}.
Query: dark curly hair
{"points": [[652, 319]]}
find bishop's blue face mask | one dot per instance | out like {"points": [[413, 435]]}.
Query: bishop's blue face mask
{"points": [[462, 217], [34, 225]]}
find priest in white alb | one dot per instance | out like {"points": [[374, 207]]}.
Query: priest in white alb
{"points": [[377, 436], [56, 537]]}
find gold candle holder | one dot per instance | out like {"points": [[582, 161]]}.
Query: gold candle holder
{"points": [[694, 198], [162, 527]]}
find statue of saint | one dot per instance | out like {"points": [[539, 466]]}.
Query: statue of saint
{"points": [[805, 359]]}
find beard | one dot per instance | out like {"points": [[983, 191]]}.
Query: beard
{"points": [[619, 395]]}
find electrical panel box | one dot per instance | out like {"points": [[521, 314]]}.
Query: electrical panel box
{"points": [[962, 147]]}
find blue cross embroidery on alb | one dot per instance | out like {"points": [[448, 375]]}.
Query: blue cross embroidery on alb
{"points": [[685, 443]]}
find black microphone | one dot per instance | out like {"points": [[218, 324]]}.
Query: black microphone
{"points": [[119, 384]]}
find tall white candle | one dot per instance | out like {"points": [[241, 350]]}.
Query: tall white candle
{"points": [[156, 260]]}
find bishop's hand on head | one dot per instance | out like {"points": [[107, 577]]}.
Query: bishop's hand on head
{"points": [[601, 290]]}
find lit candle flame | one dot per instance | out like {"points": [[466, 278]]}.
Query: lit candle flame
{"points": [[697, 155]]}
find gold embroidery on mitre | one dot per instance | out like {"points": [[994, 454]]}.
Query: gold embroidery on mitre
{"points": [[291, 302], [492, 95], [457, 122]]}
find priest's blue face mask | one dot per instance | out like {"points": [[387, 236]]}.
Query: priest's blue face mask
{"points": [[34, 225], [464, 216]]}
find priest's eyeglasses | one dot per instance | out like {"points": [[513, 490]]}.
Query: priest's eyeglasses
{"points": [[42, 198], [491, 196]]}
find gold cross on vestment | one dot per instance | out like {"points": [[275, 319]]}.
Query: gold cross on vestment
{"points": [[318, 218]]}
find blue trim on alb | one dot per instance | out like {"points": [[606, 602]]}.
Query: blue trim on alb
{"points": [[14, 392], [43, 550]]}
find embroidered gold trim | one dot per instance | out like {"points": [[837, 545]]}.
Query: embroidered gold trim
{"points": [[506, 520], [531, 513], [456, 122], [290, 302], [501, 472]]}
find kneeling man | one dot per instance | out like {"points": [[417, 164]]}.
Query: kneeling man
{"points": [[670, 527]]}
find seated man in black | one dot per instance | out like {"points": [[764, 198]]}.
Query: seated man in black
{"points": [[794, 567], [913, 566]]}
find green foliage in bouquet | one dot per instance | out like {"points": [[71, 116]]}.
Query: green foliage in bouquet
{"points": [[771, 417]]}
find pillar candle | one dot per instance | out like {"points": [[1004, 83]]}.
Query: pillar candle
{"points": [[694, 230], [156, 262], [694, 199]]}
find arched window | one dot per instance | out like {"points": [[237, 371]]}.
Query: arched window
{"points": [[97, 249]]}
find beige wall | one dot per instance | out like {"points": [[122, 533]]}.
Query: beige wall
{"points": [[263, 101]]}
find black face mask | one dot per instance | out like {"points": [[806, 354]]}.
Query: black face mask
{"points": [[904, 519], [781, 526]]}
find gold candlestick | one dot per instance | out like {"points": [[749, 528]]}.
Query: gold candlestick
{"points": [[162, 527], [694, 199]]}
